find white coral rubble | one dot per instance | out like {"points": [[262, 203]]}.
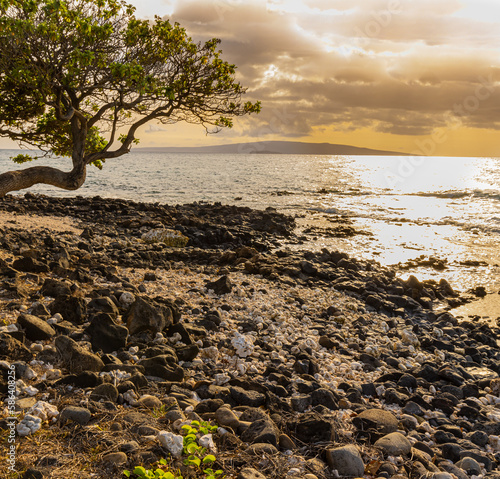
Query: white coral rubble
{"points": [[172, 442], [167, 236], [243, 344]]}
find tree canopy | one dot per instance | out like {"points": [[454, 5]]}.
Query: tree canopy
{"points": [[79, 77]]}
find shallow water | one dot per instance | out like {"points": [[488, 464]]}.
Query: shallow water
{"points": [[412, 206]]}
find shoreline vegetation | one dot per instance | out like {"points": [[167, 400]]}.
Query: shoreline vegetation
{"points": [[312, 364]]}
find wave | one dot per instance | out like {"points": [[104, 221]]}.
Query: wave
{"points": [[489, 225], [348, 192], [449, 194], [489, 194]]}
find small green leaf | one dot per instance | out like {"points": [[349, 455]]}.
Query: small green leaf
{"points": [[192, 448], [193, 460], [209, 459], [140, 471], [20, 159]]}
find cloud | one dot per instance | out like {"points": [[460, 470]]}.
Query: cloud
{"points": [[154, 128], [399, 66]]}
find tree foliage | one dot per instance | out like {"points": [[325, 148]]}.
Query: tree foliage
{"points": [[79, 77]]}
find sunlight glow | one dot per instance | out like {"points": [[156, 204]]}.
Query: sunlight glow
{"points": [[150, 8]]}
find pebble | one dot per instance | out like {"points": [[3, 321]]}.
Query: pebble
{"points": [[250, 473], [80, 415], [106, 391], [394, 444], [225, 417], [116, 458], [346, 461], [384, 421], [149, 401], [469, 465]]}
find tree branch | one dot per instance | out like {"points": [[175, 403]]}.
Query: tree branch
{"points": [[21, 179]]}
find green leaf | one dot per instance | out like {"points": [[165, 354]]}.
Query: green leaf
{"points": [[140, 471], [193, 460], [20, 159], [126, 473], [192, 447], [209, 459]]}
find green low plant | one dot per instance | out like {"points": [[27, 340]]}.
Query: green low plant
{"points": [[196, 456], [160, 472], [160, 411]]}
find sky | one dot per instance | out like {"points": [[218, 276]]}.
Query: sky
{"points": [[420, 77]]}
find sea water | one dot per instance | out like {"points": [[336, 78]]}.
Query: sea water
{"points": [[409, 207]]}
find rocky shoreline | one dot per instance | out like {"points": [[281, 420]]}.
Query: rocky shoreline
{"points": [[312, 364]]}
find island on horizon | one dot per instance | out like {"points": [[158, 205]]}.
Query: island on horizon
{"points": [[276, 147]]}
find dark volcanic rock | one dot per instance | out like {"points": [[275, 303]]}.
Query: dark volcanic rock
{"points": [[324, 397], [382, 421], [53, 288], [245, 397], [36, 329], [11, 348], [30, 265], [105, 391], [261, 431], [71, 308], [222, 286], [147, 315], [75, 357], [80, 415], [310, 428], [168, 371], [106, 335], [103, 305]]}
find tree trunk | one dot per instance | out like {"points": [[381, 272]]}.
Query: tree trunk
{"points": [[20, 179]]}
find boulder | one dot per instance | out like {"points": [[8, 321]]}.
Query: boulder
{"points": [[75, 357], [54, 288], [146, 315], [11, 348], [382, 421], [394, 444], [80, 415], [36, 329], [106, 391], [346, 461], [103, 305], [222, 286], [261, 431], [106, 335], [71, 308]]}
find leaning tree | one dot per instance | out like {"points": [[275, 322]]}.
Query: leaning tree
{"points": [[78, 78]]}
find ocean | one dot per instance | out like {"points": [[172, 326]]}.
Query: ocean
{"points": [[410, 208]]}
